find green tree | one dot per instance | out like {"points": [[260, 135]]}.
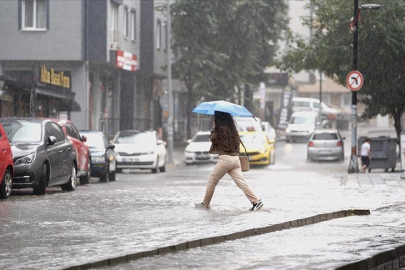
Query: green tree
{"points": [[380, 55], [221, 46]]}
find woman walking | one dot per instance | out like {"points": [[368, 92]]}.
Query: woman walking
{"points": [[225, 142]]}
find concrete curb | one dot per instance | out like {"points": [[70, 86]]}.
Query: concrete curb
{"points": [[388, 259], [229, 237]]}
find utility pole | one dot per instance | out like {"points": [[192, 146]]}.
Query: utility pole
{"points": [[169, 85], [354, 166]]}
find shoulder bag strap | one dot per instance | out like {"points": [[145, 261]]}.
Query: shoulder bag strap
{"points": [[244, 147]]}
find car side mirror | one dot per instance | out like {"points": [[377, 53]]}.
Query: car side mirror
{"points": [[84, 138], [159, 142], [318, 123], [51, 140], [189, 141], [111, 146]]}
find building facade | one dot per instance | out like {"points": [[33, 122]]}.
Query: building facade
{"points": [[98, 63]]}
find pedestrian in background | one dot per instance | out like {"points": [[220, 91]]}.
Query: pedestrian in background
{"points": [[365, 155], [225, 142]]}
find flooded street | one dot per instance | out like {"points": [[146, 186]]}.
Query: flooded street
{"points": [[143, 211]]}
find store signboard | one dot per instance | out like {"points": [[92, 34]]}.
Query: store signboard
{"points": [[126, 61], [52, 77]]}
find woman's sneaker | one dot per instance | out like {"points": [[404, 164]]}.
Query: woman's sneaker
{"points": [[256, 206], [201, 206]]}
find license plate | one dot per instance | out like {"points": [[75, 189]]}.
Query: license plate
{"points": [[324, 152], [130, 159]]}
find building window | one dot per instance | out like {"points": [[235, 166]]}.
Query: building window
{"points": [[133, 24], [159, 34], [126, 23], [114, 24], [34, 14]]}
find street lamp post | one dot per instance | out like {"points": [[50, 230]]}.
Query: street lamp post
{"points": [[169, 85], [353, 166]]}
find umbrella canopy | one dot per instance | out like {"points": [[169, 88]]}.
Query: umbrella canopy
{"points": [[222, 106]]}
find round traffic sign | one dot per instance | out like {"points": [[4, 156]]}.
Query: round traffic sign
{"points": [[354, 80]]}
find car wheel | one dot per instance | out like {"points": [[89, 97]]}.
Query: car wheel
{"points": [[287, 140], [71, 184], [156, 170], [342, 158], [85, 179], [309, 159], [41, 187], [105, 176], [6, 185], [163, 168]]}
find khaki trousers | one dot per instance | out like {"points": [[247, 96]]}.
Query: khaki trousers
{"points": [[230, 165]]}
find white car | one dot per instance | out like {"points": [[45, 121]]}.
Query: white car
{"points": [[197, 150], [140, 150], [270, 131], [301, 125]]}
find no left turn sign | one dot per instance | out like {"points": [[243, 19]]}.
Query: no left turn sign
{"points": [[354, 80]]}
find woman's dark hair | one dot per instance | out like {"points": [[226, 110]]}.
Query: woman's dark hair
{"points": [[225, 125]]}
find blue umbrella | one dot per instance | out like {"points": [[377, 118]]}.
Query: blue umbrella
{"points": [[222, 106]]}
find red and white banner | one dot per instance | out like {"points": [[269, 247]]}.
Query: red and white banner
{"points": [[126, 60]]}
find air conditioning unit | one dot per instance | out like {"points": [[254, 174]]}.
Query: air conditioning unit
{"points": [[114, 46]]}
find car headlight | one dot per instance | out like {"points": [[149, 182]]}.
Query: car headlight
{"points": [[311, 130], [148, 153], [188, 152], [25, 160], [97, 159], [287, 130], [111, 158]]}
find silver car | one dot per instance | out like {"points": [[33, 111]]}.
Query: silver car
{"points": [[326, 144]]}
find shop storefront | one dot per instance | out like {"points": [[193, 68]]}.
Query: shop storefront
{"points": [[45, 93]]}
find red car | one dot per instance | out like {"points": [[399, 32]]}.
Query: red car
{"points": [[82, 150], [6, 166]]}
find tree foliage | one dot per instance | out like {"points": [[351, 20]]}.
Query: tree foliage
{"points": [[381, 52], [222, 44]]}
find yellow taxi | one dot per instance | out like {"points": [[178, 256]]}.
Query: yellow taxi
{"points": [[258, 147]]}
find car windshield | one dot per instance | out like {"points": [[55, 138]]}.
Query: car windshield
{"points": [[202, 138], [135, 137], [20, 131], [247, 124], [325, 136], [302, 120], [253, 138], [94, 140]]}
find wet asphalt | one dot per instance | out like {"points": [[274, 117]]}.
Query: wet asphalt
{"points": [[141, 212]]}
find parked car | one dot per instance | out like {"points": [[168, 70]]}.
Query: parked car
{"points": [[269, 131], [140, 150], [326, 145], [301, 125], [258, 148], [81, 148], [103, 160], [197, 150], [42, 154], [6, 166]]}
